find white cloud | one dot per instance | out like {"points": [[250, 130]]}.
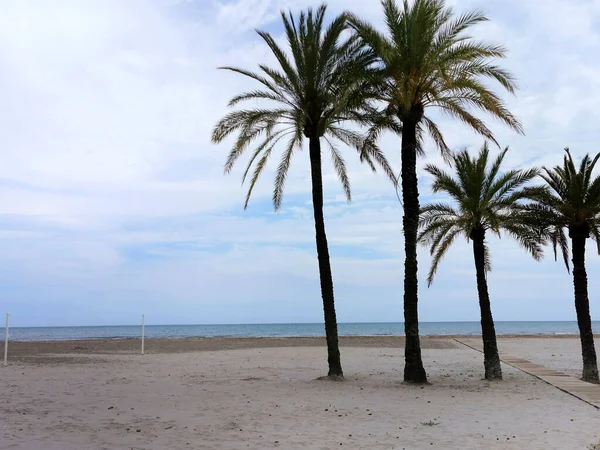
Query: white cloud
{"points": [[111, 193]]}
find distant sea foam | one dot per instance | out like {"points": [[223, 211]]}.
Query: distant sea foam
{"points": [[285, 330]]}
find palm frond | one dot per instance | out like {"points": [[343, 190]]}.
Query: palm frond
{"points": [[560, 239], [487, 258], [595, 234], [436, 212], [282, 170], [484, 200], [255, 76], [441, 250], [569, 199], [268, 145], [451, 30], [494, 169], [455, 109], [257, 173], [340, 168], [429, 60], [324, 79], [438, 138], [443, 182], [528, 237], [290, 74], [257, 95], [509, 187]]}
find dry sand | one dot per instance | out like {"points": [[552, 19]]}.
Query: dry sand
{"points": [[563, 355], [264, 394]]}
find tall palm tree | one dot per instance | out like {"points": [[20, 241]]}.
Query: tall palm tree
{"points": [[321, 84], [428, 61], [485, 199], [570, 200]]}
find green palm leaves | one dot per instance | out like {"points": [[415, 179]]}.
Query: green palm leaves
{"points": [[569, 200], [322, 82], [428, 60], [483, 199]]}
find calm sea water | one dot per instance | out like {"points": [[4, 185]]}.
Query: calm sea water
{"points": [[283, 330]]}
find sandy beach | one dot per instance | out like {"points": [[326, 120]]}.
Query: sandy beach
{"points": [[265, 393]]}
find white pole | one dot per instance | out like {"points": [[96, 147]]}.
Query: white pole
{"points": [[6, 340], [142, 334]]}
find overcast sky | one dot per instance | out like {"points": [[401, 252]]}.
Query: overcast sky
{"points": [[113, 200]]}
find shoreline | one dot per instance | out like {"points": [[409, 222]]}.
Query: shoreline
{"points": [[29, 351], [341, 337], [346, 337]]}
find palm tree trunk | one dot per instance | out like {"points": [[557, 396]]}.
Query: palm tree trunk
{"points": [[331, 331], [582, 306], [491, 359], [413, 369]]}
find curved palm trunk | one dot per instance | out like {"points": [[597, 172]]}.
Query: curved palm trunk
{"points": [[491, 359], [331, 332], [582, 306], [413, 369]]}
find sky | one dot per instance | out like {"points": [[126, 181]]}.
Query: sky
{"points": [[113, 200]]}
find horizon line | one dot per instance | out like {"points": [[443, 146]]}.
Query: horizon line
{"points": [[275, 323]]}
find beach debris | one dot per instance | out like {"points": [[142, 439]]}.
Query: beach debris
{"points": [[430, 423], [594, 446]]}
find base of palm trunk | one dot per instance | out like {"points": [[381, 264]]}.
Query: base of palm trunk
{"points": [[493, 374], [332, 378], [415, 374], [335, 374], [335, 366], [335, 369], [491, 362], [590, 374]]}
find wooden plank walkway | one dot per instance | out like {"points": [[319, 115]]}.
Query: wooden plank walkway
{"points": [[588, 392]]}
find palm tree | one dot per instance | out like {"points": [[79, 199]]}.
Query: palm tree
{"points": [[485, 200], [428, 61], [321, 85], [570, 200]]}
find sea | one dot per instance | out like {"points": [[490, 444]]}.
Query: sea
{"points": [[284, 330]]}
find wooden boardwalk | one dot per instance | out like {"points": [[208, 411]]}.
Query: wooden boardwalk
{"points": [[588, 392]]}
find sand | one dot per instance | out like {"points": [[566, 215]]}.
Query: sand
{"points": [[563, 355], [240, 394]]}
